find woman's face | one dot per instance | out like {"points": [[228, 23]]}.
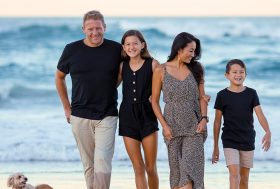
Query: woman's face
{"points": [[186, 54], [132, 46]]}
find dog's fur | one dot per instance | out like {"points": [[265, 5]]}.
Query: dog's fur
{"points": [[43, 186], [18, 181]]}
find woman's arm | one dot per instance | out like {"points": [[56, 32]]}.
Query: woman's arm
{"points": [[156, 89], [203, 108]]}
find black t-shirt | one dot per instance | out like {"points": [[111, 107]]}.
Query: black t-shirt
{"points": [[237, 109], [94, 73]]}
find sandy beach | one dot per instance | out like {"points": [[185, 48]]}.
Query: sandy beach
{"points": [[61, 175]]}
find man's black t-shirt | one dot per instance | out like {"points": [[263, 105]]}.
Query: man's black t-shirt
{"points": [[237, 109], [94, 73]]}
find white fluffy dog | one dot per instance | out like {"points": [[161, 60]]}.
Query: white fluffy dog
{"points": [[18, 181]]}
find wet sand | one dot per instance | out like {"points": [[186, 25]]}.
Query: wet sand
{"points": [[69, 175]]}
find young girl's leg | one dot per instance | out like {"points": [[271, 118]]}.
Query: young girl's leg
{"points": [[133, 148], [244, 174], [150, 150]]}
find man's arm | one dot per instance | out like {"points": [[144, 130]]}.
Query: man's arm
{"points": [[62, 91], [120, 75]]}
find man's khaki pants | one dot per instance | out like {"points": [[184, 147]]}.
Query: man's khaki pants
{"points": [[95, 140]]}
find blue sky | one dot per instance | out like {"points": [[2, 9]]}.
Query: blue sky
{"points": [[142, 8]]}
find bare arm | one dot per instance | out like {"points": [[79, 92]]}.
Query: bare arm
{"points": [[120, 75], [155, 63], [266, 141], [216, 134], [156, 89], [203, 108], [62, 91]]}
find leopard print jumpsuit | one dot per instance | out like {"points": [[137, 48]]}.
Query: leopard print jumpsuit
{"points": [[182, 114]]}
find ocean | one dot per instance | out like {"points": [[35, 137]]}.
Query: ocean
{"points": [[32, 123]]}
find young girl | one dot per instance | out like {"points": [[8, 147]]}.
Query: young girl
{"points": [[236, 104], [137, 122]]}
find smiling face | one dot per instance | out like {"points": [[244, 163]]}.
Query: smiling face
{"points": [[94, 31], [132, 46], [187, 53], [236, 75]]}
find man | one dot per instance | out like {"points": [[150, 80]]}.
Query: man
{"points": [[93, 64]]}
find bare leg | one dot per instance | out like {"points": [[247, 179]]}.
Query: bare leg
{"points": [[234, 177], [150, 150], [244, 175], [133, 149], [188, 186]]}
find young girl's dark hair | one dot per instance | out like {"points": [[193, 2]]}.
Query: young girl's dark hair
{"points": [[180, 42], [144, 52], [235, 61]]}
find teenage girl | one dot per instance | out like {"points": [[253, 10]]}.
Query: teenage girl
{"points": [[137, 122]]}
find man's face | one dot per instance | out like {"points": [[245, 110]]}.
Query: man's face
{"points": [[94, 30]]}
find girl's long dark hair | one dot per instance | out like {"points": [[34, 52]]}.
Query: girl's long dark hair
{"points": [[144, 52], [180, 42]]}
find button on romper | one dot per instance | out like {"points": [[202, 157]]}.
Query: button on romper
{"points": [[182, 114], [136, 117]]}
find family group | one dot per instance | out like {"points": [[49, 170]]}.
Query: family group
{"points": [[97, 67]]}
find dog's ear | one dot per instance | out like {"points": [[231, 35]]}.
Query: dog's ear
{"points": [[10, 181]]}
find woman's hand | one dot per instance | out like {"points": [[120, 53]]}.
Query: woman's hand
{"points": [[167, 132], [202, 126], [206, 98]]}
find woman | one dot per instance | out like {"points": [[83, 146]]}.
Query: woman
{"points": [[185, 112]]}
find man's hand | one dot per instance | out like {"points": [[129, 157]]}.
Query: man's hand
{"points": [[67, 114]]}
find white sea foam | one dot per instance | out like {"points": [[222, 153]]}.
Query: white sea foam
{"points": [[43, 135]]}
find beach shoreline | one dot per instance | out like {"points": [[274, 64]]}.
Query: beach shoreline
{"points": [[69, 175]]}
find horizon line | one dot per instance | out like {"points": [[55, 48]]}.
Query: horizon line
{"points": [[147, 16]]}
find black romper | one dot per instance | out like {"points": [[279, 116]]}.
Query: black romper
{"points": [[136, 117]]}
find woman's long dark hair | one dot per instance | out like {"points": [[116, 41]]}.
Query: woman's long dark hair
{"points": [[144, 52], [180, 42]]}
